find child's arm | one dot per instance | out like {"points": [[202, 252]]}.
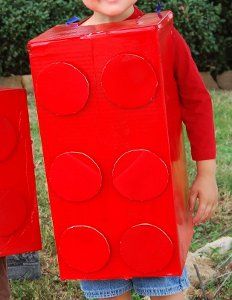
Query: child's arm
{"points": [[197, 114]]}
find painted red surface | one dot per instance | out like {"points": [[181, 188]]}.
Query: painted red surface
{"points": [[112, 146], [19, 221]]}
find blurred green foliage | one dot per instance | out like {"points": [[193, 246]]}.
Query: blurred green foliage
{"points": [[224, 59]]}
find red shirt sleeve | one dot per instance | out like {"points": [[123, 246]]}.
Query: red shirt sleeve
{"points": [[196, 105]]}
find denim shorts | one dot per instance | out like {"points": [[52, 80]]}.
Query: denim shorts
{"points": [[146, 286]]}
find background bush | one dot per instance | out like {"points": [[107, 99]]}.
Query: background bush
{"points": [[224, 36], [201, 22], [21, 20]]}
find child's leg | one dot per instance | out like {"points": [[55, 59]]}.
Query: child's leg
{"points": [[4, 285], [178, 296], [125, 296]]}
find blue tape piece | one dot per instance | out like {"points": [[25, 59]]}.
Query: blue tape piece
{"points": [[159, 7], [72, 20]]}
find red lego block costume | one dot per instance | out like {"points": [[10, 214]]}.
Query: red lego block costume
{"points": [[113, 149], [19, 221]]}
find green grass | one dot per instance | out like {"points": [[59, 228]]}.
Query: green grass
{"points": [[221, 222], [50, 287]]}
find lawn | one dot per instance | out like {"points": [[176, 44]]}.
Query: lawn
{"points": [[50, 287]]}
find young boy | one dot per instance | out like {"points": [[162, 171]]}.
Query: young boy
{"points": [[197, 115]]}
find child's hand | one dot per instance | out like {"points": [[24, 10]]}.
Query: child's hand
{"points": [[204, 189]]}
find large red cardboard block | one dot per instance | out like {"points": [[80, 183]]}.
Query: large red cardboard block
{"points": [[111, 132], [19, 220]]}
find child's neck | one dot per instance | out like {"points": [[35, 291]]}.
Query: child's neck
{"points": [[98, 18]]}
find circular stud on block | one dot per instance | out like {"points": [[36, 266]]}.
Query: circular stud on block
{"points": [[140, 175], [8, 138], [129, 81], [84, 248], [146, 248], [74, 176], [62, 89], [13, 212]]}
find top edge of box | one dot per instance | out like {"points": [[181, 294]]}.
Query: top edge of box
{"points": [[61, 32]]}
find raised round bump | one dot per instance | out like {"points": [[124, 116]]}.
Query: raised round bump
{"points": [[74, 176], [84, 248], [129, 81], [140, 175], [146, 248], [62, 89]]}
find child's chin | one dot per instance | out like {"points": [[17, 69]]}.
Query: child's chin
{"points": [[113, 9], [112, 12]]}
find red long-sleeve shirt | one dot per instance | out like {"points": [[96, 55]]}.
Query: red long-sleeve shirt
{"points": [[195, 101]]}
